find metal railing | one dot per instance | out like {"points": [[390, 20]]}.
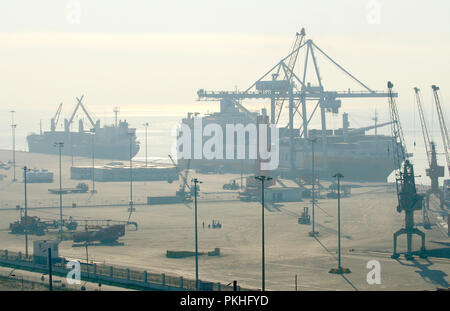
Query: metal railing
{"points": [[113, 274]]}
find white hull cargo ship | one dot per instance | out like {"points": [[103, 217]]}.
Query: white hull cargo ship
{"points": [[359, 157]]}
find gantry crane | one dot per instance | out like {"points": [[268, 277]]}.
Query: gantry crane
{"points": [[442, 125], [297, 91], [408, 198], [434, 170]]}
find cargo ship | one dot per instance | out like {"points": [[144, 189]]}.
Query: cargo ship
{"points": [[115, 142], [352, 152]]}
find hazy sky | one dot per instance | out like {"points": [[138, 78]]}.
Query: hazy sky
{"points": [[150, 57]]}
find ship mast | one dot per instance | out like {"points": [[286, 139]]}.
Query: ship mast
{"points": [[116, 111]]}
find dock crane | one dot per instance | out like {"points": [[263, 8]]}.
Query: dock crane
{"points": [[185, 195], [434, 170], [442, 125], [408, 198]]}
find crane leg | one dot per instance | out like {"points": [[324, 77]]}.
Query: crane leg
{"points": [[422, 235], [395, 255]]}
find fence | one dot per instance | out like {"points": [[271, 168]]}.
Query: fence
{"points": [[111, 274]]}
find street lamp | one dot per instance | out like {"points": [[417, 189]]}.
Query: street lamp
{"points": [[263, 178], [25, 170], [313, 178], [130, 136], [196, 181], [13, 129], [93, 159], [339, 269], [146, 126], [60, 145]]}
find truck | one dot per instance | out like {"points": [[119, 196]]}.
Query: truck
{"points": [[31, 224], [109, 234], [80, 188]]}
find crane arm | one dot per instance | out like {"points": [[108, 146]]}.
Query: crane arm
{"points": [[426, 135], [58, 113], [183, 177], [397, 131], [444, 132], [80, 104]]}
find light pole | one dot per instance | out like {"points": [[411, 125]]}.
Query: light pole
{"points": [[25, 170], [93, 159], [313, 178], [146, 126], [196, 181], [339, 269], [130, 136], [60, 145], [13, 129], [263, 178]]}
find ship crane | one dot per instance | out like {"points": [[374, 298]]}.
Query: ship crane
{"points": [[80, 104], [55, 119], [434, 170], [442, 125], [408, 198], [297, 91]]}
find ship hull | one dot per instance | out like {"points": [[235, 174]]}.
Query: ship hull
{"points": [[80, 145]]}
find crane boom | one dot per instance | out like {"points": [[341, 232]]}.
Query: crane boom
{"points": [[80, 104], [299, 36], [399, 152], [444, 132], [426, 135], [58, 113]]}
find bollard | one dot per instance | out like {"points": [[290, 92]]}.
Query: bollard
{"points": [[128, 274], [163, 279], [218, 287], [6, 254], [95, 269], [145, 276], [111, 272], [19, 256], [181, 282]]}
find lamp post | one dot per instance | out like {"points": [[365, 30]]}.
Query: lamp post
{"points": [[313, 178], [130, 136], [196, 181], [146, 126], [339, 269], [25, 170], [13, 129], [93, 160], [263, 178], [60, 145]]}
